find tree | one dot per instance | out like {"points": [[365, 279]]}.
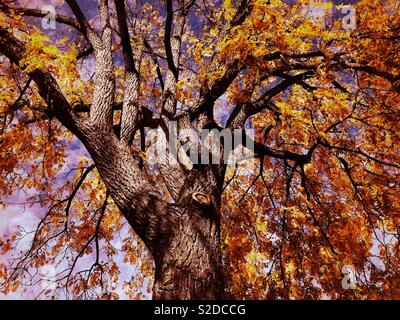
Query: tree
{"points": [[323, 100]]}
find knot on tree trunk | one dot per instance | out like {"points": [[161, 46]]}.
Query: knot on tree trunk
{"points": [[201, 199]]}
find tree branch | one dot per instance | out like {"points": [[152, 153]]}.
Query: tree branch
{"points": [[84, 25], [167, 39], [103, 97], [242, 112], [131, 109], [49, 90]]}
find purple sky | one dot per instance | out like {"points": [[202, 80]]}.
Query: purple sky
{"points": [[17, 214]]}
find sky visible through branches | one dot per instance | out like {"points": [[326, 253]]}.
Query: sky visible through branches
{"points": [[317, 81]]}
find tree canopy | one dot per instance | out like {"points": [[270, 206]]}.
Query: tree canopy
{"points": [[324, 103]]}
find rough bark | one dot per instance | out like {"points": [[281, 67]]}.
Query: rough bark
{"points": [[183, 237], [190, 264]]}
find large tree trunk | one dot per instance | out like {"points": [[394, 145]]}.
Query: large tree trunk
{"points": [[189, 265], [188, 260], [183, 237]]}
